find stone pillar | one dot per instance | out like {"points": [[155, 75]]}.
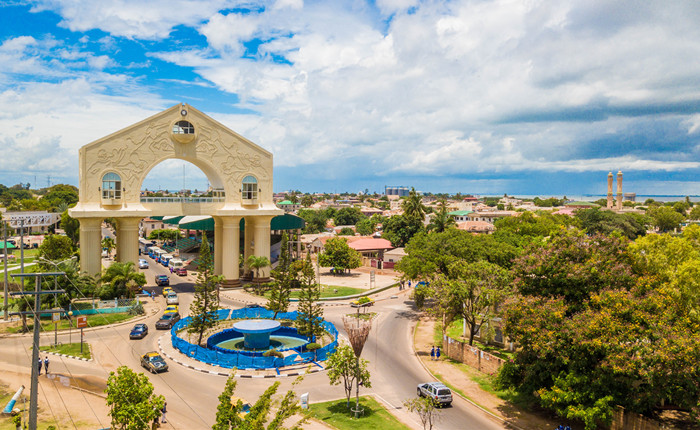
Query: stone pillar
{"points": [[230, 249], [218, 244], [128, 240], [91, 245], [610, 191], [298, 243], [249, 234], [619, 190], [262, 242]]}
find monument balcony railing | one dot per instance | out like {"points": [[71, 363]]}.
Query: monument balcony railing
{"points": [[183, 199]]}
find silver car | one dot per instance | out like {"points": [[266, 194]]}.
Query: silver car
{"points": [[436, 391], [143, 264], [172, 299]]}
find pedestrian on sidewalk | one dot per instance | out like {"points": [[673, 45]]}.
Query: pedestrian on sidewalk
{"points": [[39, 365], [437, 354], [46, 365], [432, 354], [409, 285], [153, 296], [163, 411]]}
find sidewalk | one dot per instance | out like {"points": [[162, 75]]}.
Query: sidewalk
{"points": [[458, 376]]}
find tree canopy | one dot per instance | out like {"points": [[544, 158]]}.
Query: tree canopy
{"points": [[337, 253]]}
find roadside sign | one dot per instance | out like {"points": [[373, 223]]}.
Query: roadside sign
{"points": [[371, 275], [81, 321], [56, 318]]}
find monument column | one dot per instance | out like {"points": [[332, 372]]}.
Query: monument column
{"points": [[610, 191], [230, 249], [249, 234], [128, 240], [218, 244], [619, 190], [91, 245], [262, 241]]}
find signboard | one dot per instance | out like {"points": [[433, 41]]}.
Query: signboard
{"points": [[304, 401], [56, 317], [32, 219], [81, 321]]}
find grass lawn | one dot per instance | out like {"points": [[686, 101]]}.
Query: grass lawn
{"points": [[363, 316], [337, 415], [92, 321], [69, 349], [328, 291]]}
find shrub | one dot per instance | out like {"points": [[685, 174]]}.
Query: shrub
{"points": [[273, 353]]}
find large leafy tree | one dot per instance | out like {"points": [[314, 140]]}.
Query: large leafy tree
{"points": [[441, 221], [315, 220], [165, 234], [71, 226], [132, 404], [310, 313], [206, 297], [56, 247], [413, 207], [399, 229], [342, 368], [230, 415], [665, 218], [121, 280], [348, 216], [606, 222], [337, 253]]}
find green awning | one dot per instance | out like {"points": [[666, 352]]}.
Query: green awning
{"points": [[287, 222], [281, 222], [9, 245], [172, 219]]}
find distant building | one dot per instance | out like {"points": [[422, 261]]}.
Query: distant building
{"points": [[396, 191], [476, 226], [459, 216], [489, 216], [629, 197], [287, 206]]}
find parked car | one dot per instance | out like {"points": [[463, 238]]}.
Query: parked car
{"points": [[153, 362], [180, 271], [171, 309], [139, 331], [143, 264], [162, 280], [436, 391], [362, 302], [166, 291], [167, 320], [171, 298]]}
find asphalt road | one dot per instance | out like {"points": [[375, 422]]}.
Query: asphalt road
{"points": [[192, 396]]}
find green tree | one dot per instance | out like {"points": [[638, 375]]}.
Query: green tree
{"points": [[71, 226], [108, 244], [60, 194], [56, 247], [694, 213], [310, 313], [315, 220], [365, 227], [348, 216], [165, 234], [665, 218], [282, 281], [307, 200], [206, 297], [230, 416], [441, 221], [256, 263], [399, 229], [342, 368], [606, 222], [346, 231], [413, 207], [337, 253], [121, 280], [132, 404], [426, 408]]}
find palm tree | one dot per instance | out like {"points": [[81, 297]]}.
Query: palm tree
{"points": [[256, 263], [121, 279], [109, 244], [441, 221], [413, 206]]}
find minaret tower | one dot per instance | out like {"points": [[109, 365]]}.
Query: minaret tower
{"points": [[619, 190], [610, 192]]}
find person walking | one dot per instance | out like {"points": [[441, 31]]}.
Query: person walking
{"points": [[437, 353], [163, 411], [38, 364], [46, 365], [432, 354], [409, 285]]}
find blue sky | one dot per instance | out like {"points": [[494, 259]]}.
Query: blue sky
{"points": [[475, 96]]}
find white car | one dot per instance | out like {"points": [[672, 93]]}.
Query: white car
{"points": [[171, 299], [436, 391], [143, 264]]}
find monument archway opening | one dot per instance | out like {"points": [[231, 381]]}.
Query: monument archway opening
{"points": [[114, 168]]}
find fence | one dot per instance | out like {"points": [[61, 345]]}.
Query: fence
{"points": [[244, 360], [625, 420], [471, 356], [103, 306]]}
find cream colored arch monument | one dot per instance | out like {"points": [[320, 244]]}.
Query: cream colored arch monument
{"points": [[112, 170]]}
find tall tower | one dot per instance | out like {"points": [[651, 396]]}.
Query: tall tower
{"points": [[610, 192], [619, 190]]}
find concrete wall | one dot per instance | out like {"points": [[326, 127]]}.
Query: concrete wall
{"points": [[471, 356]]}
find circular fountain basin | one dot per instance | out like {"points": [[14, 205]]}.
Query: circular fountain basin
{"points": [[256, 333], [276, 342]]}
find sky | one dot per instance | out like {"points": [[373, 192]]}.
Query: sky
{"points": [[521, 97]]}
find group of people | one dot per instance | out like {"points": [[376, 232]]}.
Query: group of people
{"points": [[435, 353], [45, 364], [162, 415], [402, 284]]}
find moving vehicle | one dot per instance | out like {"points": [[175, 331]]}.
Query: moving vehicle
{"points": [[180, 271], [362, 302], [162, 280], [245, 406], [143, 264], [171, 309], [166, 291], [139, 331], [171, 298], [165, 259], [436, 391], [167, 320], [153, 362]]}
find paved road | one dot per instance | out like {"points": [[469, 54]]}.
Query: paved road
{"points": [[192, 396]]}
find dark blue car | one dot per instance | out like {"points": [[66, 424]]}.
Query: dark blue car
{"points": [[139, 331]]}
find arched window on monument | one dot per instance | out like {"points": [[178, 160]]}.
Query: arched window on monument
{"points": [[249, 189], [111, 186]]}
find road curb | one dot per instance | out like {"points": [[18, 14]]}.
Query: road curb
{"points": [[470, 401], [67, 356], [211, 372]]}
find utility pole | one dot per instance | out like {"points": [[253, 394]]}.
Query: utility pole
{"points": [[34, 390]]}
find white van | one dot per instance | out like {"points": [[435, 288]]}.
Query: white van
{"points": [[176, 263]]}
